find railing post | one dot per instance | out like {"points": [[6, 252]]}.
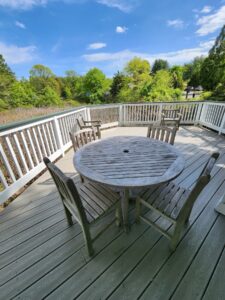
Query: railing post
{"points": [[58, 135], [199, 113], [160, 112], [203, 113], [120, 115], [88, 114], [222, 123], [124, 114]]}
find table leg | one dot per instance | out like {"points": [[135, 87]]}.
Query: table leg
{"points": [[124, 206]]}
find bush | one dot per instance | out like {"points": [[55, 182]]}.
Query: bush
{"points": [[49, 97]]}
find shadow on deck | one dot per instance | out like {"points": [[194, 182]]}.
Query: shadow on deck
{"points": [[41, 257]]}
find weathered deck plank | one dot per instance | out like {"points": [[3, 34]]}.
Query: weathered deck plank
{"points": [[40, 256]]}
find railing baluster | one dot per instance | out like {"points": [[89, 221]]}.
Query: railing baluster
{"points": [[3, 180], [23, 160], [32, 146], [27, 150], [45, 140], [13, 155], [37, 143], [41, 141], [6, 163]]}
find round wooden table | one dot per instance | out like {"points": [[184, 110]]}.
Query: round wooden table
{"points": [[128, 162]]}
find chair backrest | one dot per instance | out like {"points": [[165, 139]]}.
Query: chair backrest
{"points": [[80, 122], [82, 137], [67, 191], [202, 181], [171, 113], [162, 133]]}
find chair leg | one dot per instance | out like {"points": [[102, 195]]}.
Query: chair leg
{"points": [[99, 132], [137, 210], [68, 216], [118, 215], [88, 241], [176, 236]]}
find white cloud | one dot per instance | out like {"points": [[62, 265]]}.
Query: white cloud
{"points": [[121, 29], [95, 46], [21, 4], [17, 55], [177, 23], [206, 9], [173, 57], [123, 5], [210, 23], [20, 25]]}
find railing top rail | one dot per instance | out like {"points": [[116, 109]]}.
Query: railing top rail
{"points": [[36, 120], [215, 103]]}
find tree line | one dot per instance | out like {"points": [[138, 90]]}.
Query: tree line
{"points": [[137, 82]]}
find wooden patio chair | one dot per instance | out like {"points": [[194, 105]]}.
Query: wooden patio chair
{"points": [[82, 137], [86, 203], [162, 133], [171, 117], [96, 124], [174, 203]]}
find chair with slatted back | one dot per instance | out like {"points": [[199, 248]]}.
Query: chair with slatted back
{"points": [[162, 133], [82, 137], [171, 117], [173, 202], [86, 202], [93, 125]]}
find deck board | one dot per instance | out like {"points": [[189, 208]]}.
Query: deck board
{"points": [[41, 257]]}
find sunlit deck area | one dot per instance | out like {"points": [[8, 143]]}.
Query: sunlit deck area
{"points": [[41, 257]]}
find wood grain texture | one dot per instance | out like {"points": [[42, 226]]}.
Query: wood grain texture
{"points": [[129, 161]]}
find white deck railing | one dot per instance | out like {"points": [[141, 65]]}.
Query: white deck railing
{"points": [[23, 145]]}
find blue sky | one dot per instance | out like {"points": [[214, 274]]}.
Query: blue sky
{"points": [[81, 34]]}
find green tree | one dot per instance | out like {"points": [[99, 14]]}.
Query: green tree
{"points": [[162, 88], [195, 74], [42, 77], [22, 94], [138, 81], [118, 82], [213, 68], [137, 67], [95, 85], [7, 78], [49, 97], [177, 77], [160, 64]]}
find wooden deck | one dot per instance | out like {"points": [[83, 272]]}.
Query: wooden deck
{"points": [[41, 257]]}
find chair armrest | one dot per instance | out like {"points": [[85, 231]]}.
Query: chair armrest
{"points": [[87, 126], [94, 121]]}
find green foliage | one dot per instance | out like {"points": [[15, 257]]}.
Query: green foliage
{"points": [[213, 69], [195, 71], [177, 77], [118, 82], [42, 77], [137, 67], [7, 78], [162, 88], [49, 97], [21, 94], [160, 64], [95, 85]]}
